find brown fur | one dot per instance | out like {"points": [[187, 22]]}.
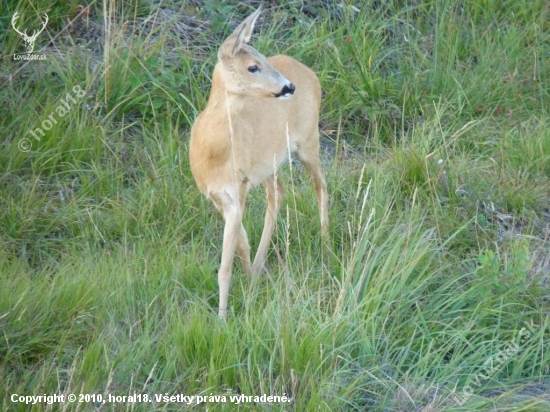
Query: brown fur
{"points": [[241, 138]]}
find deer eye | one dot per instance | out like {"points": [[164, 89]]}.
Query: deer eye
{"points": [[253, 69]]}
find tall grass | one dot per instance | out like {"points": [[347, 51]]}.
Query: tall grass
{"points": [[435, 140]]}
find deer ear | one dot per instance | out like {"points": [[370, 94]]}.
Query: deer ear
{"points": [[240, 36]]}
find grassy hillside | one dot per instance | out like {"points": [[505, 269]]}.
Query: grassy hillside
{"points": [[436, 143]]}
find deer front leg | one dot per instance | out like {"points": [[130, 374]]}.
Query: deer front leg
{"points": [[243, 248], [228, 205], [243, 251], [275, 193]]}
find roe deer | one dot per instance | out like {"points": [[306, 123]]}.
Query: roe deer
{"points": [[259, 111]]}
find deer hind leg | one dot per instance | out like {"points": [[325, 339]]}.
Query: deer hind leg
{"points": [[275, 193], [310, 160], [234, 237]]}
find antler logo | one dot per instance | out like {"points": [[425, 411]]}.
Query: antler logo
{"points": [[29, 40]]}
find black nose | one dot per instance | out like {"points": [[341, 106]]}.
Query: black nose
{"points": [[288, 89]]}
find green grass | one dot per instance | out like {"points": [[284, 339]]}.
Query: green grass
{"points": [[436, 143]]}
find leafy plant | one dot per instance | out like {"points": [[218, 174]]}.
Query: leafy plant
{"points": [[510, 276]]}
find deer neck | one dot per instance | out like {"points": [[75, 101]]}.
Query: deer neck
{"points": [[224, 100]]}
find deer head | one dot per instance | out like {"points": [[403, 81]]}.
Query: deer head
{"points": [[29, 40]]}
